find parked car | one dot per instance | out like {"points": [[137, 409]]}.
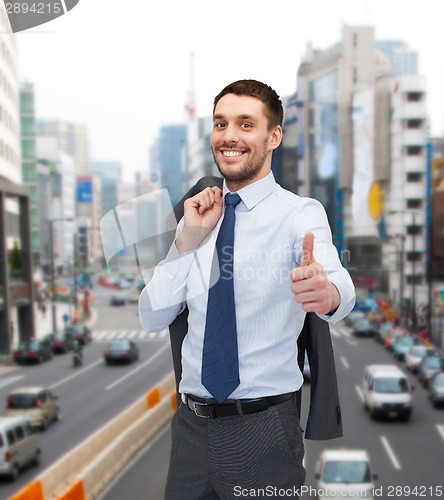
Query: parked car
{"points": [[62, 342], [344, 473], [363, 327], [81, 333], [117, 299], [382, 329], [428, 367], [33, 351], [436, 388], [402, 344], [390, 336], [38, 404], [19, 446], [133, 297], [121, 351], [416, 354], [386, 391]]}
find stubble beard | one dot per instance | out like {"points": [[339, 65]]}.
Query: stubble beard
{"points": [[248, 171]]}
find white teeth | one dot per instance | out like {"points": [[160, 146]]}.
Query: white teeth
{"points": [[232, 153]]}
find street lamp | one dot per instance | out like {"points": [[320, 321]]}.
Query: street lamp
{"points": [[403, 237], [51, 268]]}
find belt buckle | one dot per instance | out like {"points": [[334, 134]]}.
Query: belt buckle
{"points": [[196, 405]]}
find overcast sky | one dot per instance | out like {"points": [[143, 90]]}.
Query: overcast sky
{"points": [[122, 68]]}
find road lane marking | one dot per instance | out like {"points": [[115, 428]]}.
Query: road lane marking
{"points": [[334, 332], [60, 382], [390, 453], [351, 342], [99, 335], [118, 381], [360, 394], [344, 362], [132, 334], [9, 380], [440, 429]]}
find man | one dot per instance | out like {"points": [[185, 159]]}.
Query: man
{"points": [[247, 441]]}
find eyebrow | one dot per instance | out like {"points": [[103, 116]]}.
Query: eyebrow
{"points": [[241, 117]]}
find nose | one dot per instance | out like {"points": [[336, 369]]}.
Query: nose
{"points": [[231, 134]]}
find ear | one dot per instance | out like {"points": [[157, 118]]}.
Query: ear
{"points": [[275, 137]]}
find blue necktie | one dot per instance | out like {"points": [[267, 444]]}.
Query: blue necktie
{"points": [[220, 364]]}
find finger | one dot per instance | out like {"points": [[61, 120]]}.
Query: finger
{"points": [[307, 249], [206, 200], [218, 196]]}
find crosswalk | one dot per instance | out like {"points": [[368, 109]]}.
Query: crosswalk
{"points": [[139, 335]]}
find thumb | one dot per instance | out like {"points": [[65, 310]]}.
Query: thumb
{"points": [[307, 249]]}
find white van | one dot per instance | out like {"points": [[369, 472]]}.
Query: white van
{"points": [[387, 392], [19, 446], [344, 473]]}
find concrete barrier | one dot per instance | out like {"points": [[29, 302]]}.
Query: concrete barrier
{"points": [[86, 469]]}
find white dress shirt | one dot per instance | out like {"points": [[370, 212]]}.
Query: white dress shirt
{"points": [[270, 226]]}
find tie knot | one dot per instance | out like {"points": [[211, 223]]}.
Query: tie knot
{"points": [[232, 199]]}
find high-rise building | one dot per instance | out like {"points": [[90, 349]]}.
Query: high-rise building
{"points": [[402, 60], [16, 270], [72, 139], [364, 157]]}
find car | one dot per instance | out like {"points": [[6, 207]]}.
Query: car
{"points": [[353, 317], [62, 342], [415, 354], [344, 473], [402, 344], [382, 329], [436, 389], [33, 351], [117, 299], [363, 327], [121, 351], [81, 333], [390, 336], [133, 297], [428, 367], [38, 404], [19, 446], [386, 391]]}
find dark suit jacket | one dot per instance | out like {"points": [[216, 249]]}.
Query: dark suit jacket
{"points": [[324, 417]]}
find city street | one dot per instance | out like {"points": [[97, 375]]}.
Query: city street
{"points": [[402, 454]]}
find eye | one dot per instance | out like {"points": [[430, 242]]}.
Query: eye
{"points": [[246, 125], [219, 125]]}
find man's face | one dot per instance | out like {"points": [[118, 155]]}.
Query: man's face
{"points": [[241, 143]]}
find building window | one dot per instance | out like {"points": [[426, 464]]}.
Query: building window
{"points": [[413, 123], [414, 230], [413, 150], [413, 256], [414, 176], [413, 96], [414, 203], [417, 279], [355, 39]]}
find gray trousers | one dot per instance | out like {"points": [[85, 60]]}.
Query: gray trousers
{"points": [[257, 455]]}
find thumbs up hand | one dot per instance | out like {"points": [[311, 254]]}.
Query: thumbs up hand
{"points": [[310, 285]]}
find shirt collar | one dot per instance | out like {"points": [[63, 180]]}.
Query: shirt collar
{"points": [[254, 193]]}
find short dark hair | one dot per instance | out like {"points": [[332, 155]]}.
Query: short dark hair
{"points": [[273, 105]]}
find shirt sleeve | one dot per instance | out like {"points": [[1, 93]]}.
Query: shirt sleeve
{"points": [[312, 217], [163, 298]]}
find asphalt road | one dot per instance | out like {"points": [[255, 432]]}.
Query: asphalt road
{"points": [[91, 395], [404, 455]]}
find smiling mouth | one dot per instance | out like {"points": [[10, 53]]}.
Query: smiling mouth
{"points": [[232, 154]]}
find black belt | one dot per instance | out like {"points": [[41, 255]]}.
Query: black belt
{"points": [[237, 407]]}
